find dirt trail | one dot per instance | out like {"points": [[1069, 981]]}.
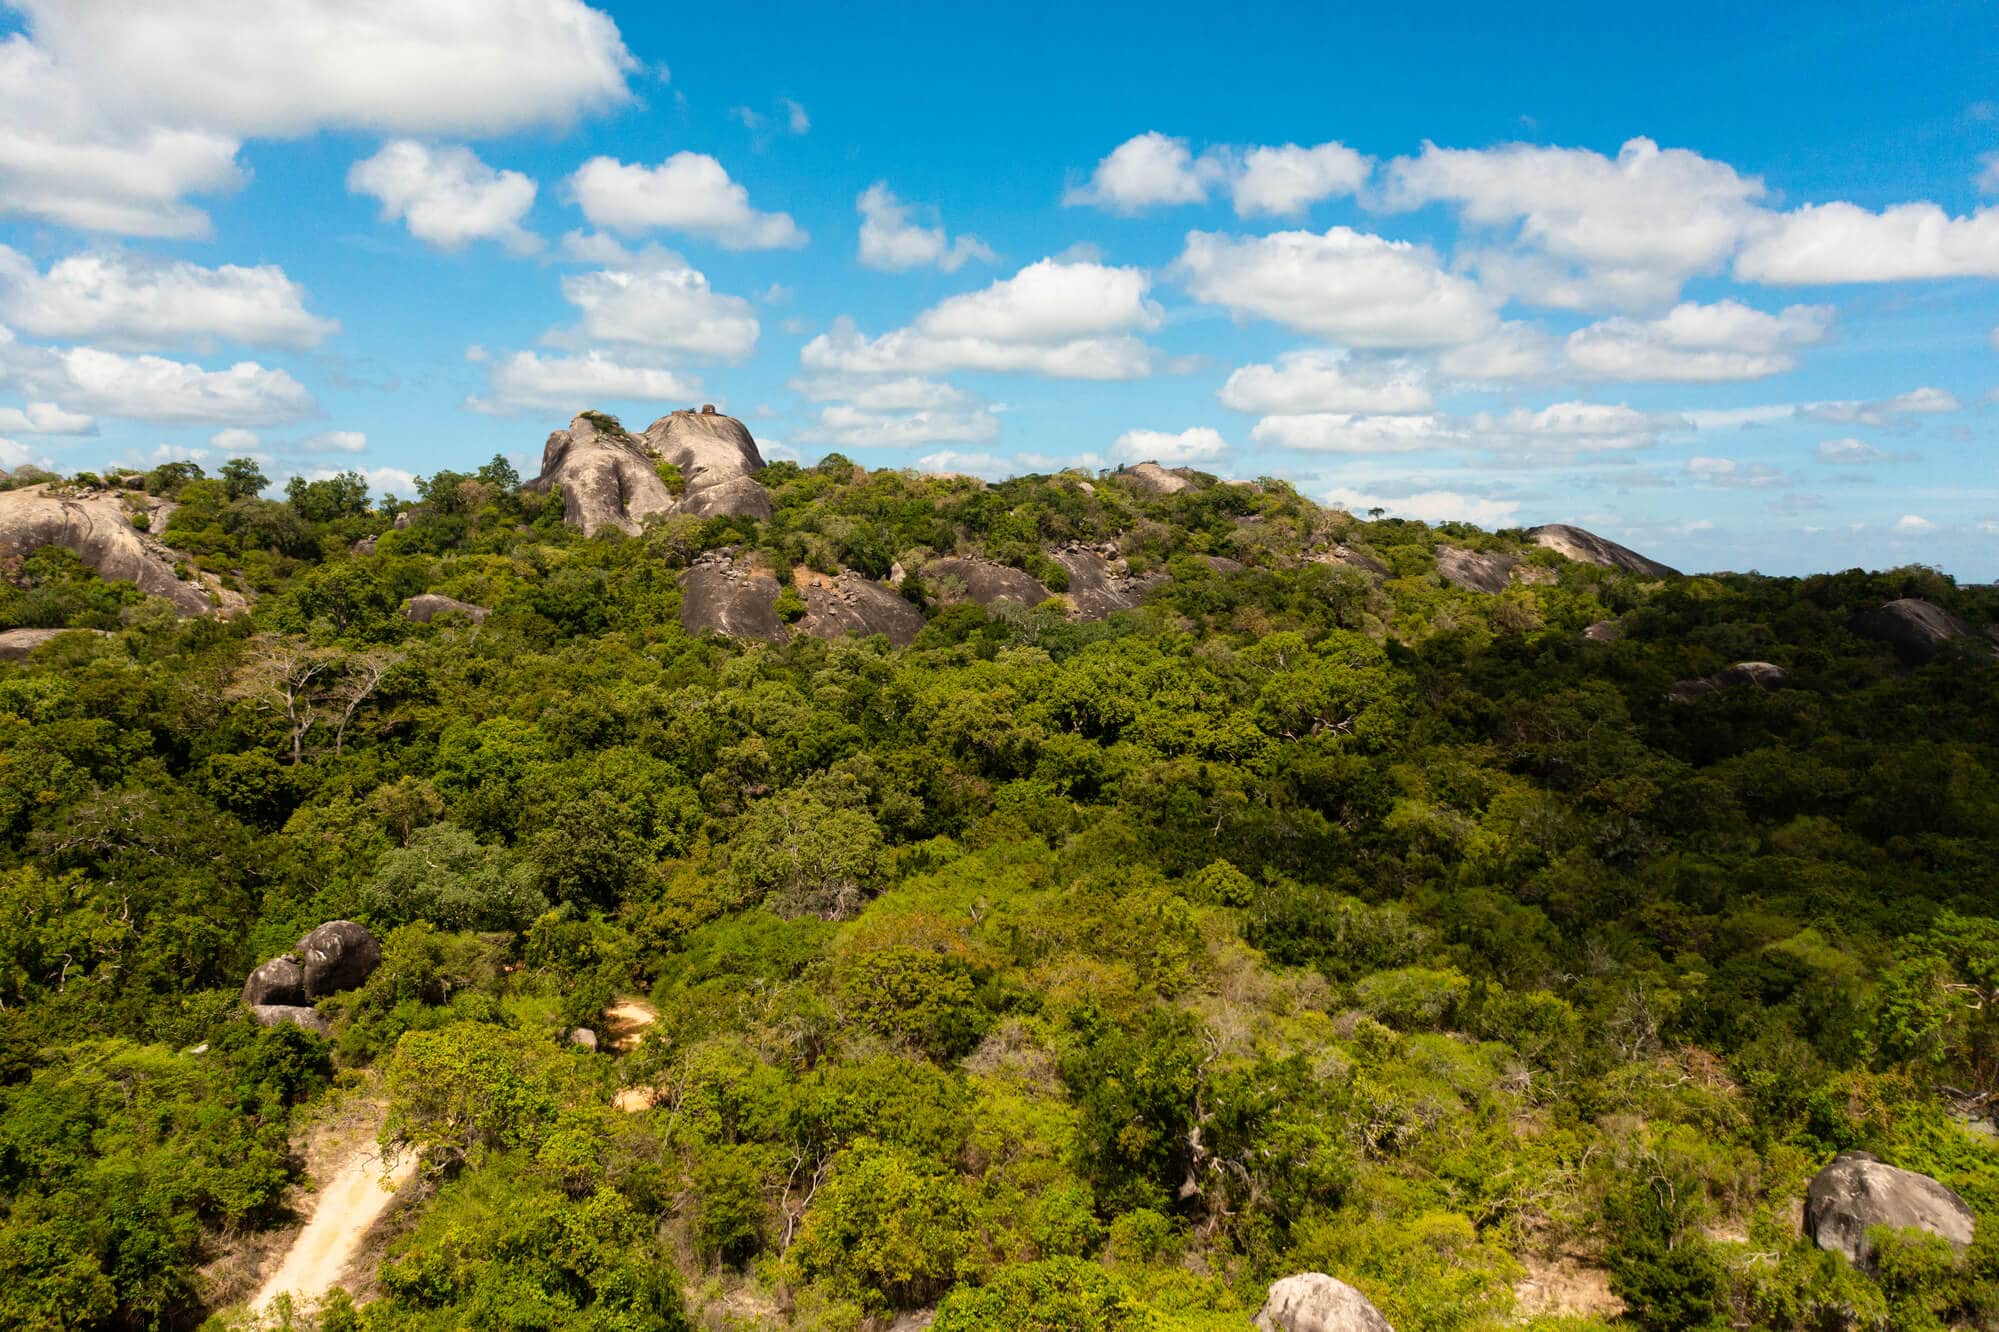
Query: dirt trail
{"points": [[351, 1200]]}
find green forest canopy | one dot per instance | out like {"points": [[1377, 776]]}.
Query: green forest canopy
{"points": [[1050, 973]]}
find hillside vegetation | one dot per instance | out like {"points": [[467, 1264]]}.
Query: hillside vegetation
{"points": [[1316, 914]]}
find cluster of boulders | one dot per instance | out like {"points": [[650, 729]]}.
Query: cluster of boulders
{"points": [[610, 477], [1854, 1194], [339, 955], [1762, 674]]}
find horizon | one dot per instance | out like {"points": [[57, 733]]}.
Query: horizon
{"points": [[1728, 303]]}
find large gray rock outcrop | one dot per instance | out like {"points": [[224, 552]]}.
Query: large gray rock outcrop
{"points": [[969, 578], [280, 981], [610, 477], [1859, 1190], [427, 606], [1100, 582], [18, 644], [853, 604], [1589, 548], [1762, 674], [1153, 479], [1350, 558], [94, 524], [1918, 630], [729, 597], [1486, 571], [339, 955], [1315, 1302], [716, 457], [270, 1015]]}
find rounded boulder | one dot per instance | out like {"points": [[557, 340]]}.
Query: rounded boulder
{"points": [[339, 955], [279, 981], [1315, 1302], [1859, 1190]]}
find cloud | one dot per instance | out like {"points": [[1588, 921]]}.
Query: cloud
{"points": [[1629, 230], [1851, 452], [481, 67], [849, 426], [1565, 428], [1146, 171], [234, 441], [1345, 432], [1320, 380], [131, 302], [1199, 444], [527, 380], [795, 118], [1154, 170], [987, 465], [891, 242], [1914, 523], [1729, 472], [1430, 506], [1723, 341], [1988, 174], [447, 196], [659, 301], [335, 441], [1511, 352], [1345, 285], [1886, 412], [158, 390], [1841, 242], [1066, 320], [62, 160], [896, 413], [688, 192], [45, 418], [113, 112], [1285, 181]]}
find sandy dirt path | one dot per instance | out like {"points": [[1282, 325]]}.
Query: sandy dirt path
{"points": [[351, 1200]]}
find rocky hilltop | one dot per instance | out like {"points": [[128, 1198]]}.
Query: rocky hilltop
{"points": [[98, 525], [700, 463]]}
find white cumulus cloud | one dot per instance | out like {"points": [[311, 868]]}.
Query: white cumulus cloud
{"points": [[1321, 380], [1842, 242], [1199, 444], [446, 196], [1692, 342], [127, 302], [1430, 506], [688, 192], [1347, 432], [1153, 170], [527, 380], [45, 418], [891, 240], [1066, 320], [1345, 285], [1629, 230], [660, 301]]}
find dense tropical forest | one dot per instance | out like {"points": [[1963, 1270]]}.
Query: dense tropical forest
{"points": [[1315, 914]]}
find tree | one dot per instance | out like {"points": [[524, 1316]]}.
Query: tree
{"points": [[242, 478], [287, 679]]}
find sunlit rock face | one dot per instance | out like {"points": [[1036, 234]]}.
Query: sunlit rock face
{"points": [[97, 526], [1859, 1190], [1589, 548], [610, 477]]}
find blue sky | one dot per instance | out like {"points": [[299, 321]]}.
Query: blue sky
{"points": [[1715, 281]]}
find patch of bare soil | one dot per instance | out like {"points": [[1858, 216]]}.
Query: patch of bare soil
{"points": [[1564, 1286], [626, 1020], [354, 1188]]}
